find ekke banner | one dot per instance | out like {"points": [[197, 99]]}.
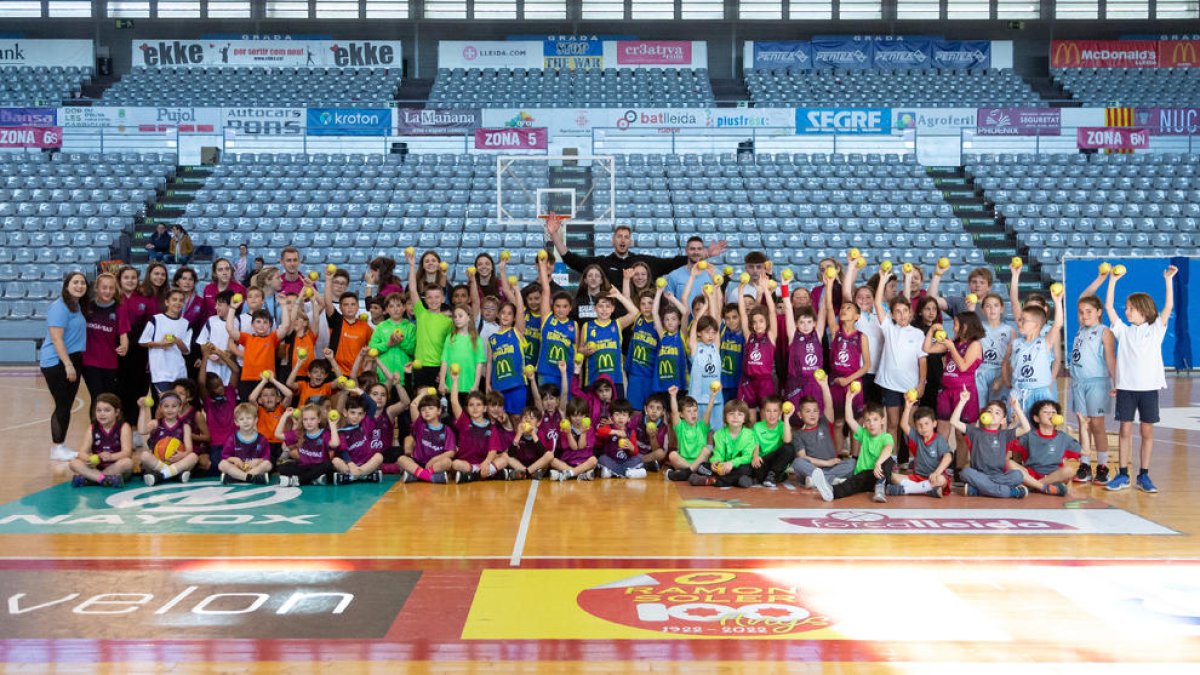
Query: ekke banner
{"points": [[1124, 53], [1112, 138]]}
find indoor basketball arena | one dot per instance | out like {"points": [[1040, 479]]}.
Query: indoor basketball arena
{"points": [[606, 336]]}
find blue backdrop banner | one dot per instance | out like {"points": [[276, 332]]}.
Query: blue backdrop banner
{"points": [[790, 55], [961, 54], [909, 54], [844, 53]]}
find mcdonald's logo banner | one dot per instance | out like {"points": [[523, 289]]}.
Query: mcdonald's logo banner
{"points": [[1124, 54]]}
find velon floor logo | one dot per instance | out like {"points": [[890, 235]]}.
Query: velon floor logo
{"points": [[199, 507]]}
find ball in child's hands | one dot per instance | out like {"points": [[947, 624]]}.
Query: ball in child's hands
{"points": [[334, 416], [985, 418], [855, 387], [1057, 420], [819, 375]]}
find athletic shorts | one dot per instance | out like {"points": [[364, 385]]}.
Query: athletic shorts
{"points": [[891, 398], [1144, 403], [1089, 397], [807, 387], [947, 400], [754, 390], [1027, 397], [639, 390], [514, 400], [838, 393]]}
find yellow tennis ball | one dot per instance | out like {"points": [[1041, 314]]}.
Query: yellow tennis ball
{"points": [[585, 423], [363, 316], [409, 250], [1105, 268], [430, 391], [148, 401], [530, 371], [943, 263], [565, 425], [855, 254], [907, 267], [1118, 271], [579, 357], [819, 375], [1017, 262], [860, 263], [1056, 289], [309, 292], [727, 270], [471, 270], [661, 282], [855, 387], [334, 416], [718, 280], [313, 275], [1057, 420], [787, 274], [788, 408], [236, 299], [972, 299], [373, 353], [744, 278], [714, 386], [886, 266], [911, 395], [505, 256], [831, 272], [526, 427], [939, 335], [651, 427], [169, 338], [455, 369], [94, 460], [702, 265], [985, 419], [512, 280], [772, 284], [296, 414], [351, 384], [624, 443], [330, 268], [267, 374], [416, 363], [542, 255]]}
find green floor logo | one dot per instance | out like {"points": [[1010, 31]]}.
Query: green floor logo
{"points": [[201, 507]]}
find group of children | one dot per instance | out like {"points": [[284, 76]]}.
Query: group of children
{"points": [[850, 388]]}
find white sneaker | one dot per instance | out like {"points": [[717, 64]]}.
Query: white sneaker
{"points": [[61, 453], [559, 476], [587, 475], [635, 473], [605, 472], [285, 481], [149, 478], [185, 476], [822, 485]]}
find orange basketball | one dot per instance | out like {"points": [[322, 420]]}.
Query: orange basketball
{"points": [[166, 448]]}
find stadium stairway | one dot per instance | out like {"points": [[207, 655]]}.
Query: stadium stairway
{"points": [[168, 208], [730, 93], [413, 93], [1052, 92], [987, 227]]}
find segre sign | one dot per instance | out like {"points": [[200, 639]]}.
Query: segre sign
{"points": [[251, 53], [843, 121]]}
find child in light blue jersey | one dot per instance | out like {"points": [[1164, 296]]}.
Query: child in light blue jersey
{"points": [[1092, 364], [1030, 366]]}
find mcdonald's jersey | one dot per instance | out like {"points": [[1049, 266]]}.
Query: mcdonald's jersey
{"points": [[558, 344], [671, 366], [508, 360], [732, 345], [533, 336], [606, 360], [643, 349]]}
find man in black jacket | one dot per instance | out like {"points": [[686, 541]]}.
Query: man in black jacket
{"points": [[614, 264]]}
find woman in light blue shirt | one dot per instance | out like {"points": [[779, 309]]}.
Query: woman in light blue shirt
{"points": [[61, 358]]}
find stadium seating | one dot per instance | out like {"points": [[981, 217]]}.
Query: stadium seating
{"points": [[1154, 87], [799, 208], [899, 88], [41, 85], [66, 213], [613, 88], [1095, 205], [262, 87]]}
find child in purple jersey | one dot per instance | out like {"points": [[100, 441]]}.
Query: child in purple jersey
{"points": [[618, 444], [805, 356], [850, 357], [479, 453], [246, 454], [196, 419], [527, 457], [651, 430], [360, 455], [574, 457], [1043, 450], [962, 358], [758, 354], [107, 337], [106, 455], [218, 401], [384, 422], [552, 407], [311, 447], [429, 451], [169, 424], [504, 425], [598, 395]]}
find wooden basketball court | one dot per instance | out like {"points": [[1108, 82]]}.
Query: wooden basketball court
{"points": [[607, 576]]}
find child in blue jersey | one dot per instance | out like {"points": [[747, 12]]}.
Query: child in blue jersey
{"points": [[997, 340], [640, 360], [558, 333], [1030, 367], [989, 474], [506, 354], [599, 341], [705, 354], [1140, 373], [671, 361], [1092, 364], [531, 299], [1043, 450], [246, 455], [733, 343]]}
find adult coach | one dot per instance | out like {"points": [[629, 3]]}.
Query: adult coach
{"points": [[293, 281], [61, 358], [614, 264]]}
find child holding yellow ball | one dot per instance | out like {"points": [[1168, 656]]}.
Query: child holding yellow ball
{"points": [[989, 474]]}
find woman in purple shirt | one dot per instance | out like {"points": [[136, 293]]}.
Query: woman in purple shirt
{"points": [[139, 303], [107, 337], [222, 275]]}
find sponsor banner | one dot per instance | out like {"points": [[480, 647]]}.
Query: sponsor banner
{"points": [[844, 53], [654, 53], [1104, 54], [908, 54], [140, 120], [843, 120], [922, 521], [1169, 121], [579, 122], [571, 52], [491, 54], [78, 53], [749, 118], [30, 137], [349, 121], [1179, 53], [198, 507], [961, 54], [526, 138], [264, 121], [789, 55], [1019, 122], [251, 53], [208, 604], [28, 117], [935, 121], [1112, 138], [437, 121]]}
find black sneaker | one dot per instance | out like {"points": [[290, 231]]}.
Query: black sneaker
{"points": [[1102, 476], [745, 482], [321, 480], [653, 467], [704, 470], [338, 478], [406, 477], [769, 480], [1084, 473], [538, 475], [699, 480], [893, 490], [679, 474]]}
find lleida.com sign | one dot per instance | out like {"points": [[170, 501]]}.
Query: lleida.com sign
{"points": [[200, 507]]}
